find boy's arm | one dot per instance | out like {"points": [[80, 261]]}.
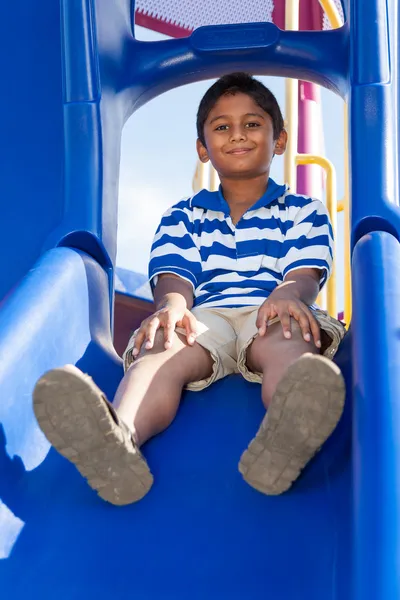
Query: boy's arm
{"points": [[308, 246], [303, 284], [175, 264], [175, 261], [305, 266], [173, 290]]}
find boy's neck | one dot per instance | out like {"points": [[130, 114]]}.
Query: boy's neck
{"points": [[243, 193]]}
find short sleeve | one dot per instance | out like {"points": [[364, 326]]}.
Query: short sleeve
{"points": [[173, 249], [309, 242]]}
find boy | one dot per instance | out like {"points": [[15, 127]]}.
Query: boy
{"points": [[235, 274]]}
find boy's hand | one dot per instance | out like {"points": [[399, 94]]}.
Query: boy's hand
{"points": [[284, 304], [167, 317]]}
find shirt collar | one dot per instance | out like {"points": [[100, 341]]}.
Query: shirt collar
{"points": [[216, 201]]}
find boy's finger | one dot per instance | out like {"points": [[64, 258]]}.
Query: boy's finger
{"points": [[272, 313], [262, 320], [262, 330], [285, 322], [303, 321], [139, 339], [151, 332], [169, 329], [190, 323], [315, 329]]}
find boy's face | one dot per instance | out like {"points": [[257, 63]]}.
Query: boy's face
{"points": [[239, 138]]}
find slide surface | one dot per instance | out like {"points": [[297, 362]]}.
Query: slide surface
{"points": [[201, 532]]}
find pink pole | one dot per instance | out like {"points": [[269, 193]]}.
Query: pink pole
{"points": [[309, 177]]}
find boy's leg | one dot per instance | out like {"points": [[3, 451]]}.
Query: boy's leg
{"points": [[272, 354], [304, 394], [99, 440], [148, 396]]}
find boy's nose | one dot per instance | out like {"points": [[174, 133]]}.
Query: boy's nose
{"points": [[238, 134]]}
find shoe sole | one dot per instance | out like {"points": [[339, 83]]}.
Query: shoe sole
{"points": [[74, 416], [304, 411]]}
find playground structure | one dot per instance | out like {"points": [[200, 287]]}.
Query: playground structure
{"points": [[74, 74]]}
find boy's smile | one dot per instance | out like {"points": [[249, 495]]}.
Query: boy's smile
{"points": [[239, 138]]}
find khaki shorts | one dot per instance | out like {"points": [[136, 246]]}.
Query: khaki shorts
{"points": [[227, 333]]}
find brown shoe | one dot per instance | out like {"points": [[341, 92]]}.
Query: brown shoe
{"points": [[82, 425], [305, 409]]}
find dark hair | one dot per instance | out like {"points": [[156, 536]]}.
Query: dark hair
{"points": [[239, 83]]}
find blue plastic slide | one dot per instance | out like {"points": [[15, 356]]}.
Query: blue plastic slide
{"points": [[72, 74]]}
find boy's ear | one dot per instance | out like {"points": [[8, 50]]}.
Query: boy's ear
{"points": [[202, 152], [280, 144]]}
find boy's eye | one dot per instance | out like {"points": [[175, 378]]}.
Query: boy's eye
{"points": [[248, 125]]}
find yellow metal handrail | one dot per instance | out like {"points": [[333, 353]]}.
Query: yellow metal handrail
{"points": [[332, 12], [331, 205]]}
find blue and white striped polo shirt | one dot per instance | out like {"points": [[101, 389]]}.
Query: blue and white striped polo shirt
{"points": [[240, 265]]}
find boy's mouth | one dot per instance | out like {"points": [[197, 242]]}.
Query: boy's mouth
{"points": [[239, 151]]}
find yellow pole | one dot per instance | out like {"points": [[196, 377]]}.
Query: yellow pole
{"points": [[291, 103], [331, 205], [332, 12]]}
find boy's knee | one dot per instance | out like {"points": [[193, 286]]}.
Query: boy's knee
{"points": [[159, 344], [159, 340], [294, 328]]}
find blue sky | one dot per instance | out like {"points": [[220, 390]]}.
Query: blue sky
{"points": [[158, 159]]}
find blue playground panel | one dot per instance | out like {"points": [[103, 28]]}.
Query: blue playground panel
{"points": [[72, 75]]}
